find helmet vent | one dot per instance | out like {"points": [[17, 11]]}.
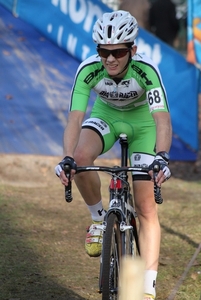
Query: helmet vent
{"points": [[119, 36], [122, 26], [130, 31], [100, 37], [109, 34]]}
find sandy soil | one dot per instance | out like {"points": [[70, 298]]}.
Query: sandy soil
{"points": [[37, 170]]}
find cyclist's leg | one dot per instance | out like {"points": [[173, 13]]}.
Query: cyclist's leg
{"points": [[142, 152], [149, 232], [87, 151], [97, 136], [94, 139]]}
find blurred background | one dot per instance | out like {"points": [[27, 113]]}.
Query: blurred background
{"points": [[137, 6]]}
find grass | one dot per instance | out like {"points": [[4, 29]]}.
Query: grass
{"points": [[42, 243]]}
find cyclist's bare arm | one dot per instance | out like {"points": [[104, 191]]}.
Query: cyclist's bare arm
{"points": [[163, 131], [71, 138], [163, 137], [72, 131]]}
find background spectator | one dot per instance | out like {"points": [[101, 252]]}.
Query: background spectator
{"points": [[163, 22], [139, 9]]}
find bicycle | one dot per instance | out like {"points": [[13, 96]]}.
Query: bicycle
{"points": [[120, 234]]}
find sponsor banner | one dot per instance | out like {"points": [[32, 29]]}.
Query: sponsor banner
{"points": [[69, 23], [194, 32]]}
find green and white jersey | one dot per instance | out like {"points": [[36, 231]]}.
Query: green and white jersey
{"points": [[141, 86]]}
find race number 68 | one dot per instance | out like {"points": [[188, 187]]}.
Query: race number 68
{"points": [[154, 97]]}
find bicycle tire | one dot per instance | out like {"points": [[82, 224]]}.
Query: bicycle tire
{"points": [[111, 259], [131, 236], [133, 248]]}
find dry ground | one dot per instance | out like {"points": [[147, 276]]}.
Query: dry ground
{"points": [[42, 237]]}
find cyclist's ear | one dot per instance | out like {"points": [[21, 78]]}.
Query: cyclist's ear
{"points": [[133, 50]]}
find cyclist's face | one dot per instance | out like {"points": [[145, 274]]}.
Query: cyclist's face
{"points": [[115, 57]]}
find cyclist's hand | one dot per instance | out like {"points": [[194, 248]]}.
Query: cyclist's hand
{"points": [[59, 169], [164, 173]]}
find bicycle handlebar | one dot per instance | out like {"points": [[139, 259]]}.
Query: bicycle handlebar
{"points": [[113, 170]]}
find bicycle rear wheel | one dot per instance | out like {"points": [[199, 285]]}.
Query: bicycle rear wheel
{"points": [[111, 259]]}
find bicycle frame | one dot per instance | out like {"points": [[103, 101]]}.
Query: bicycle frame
{"points": [[120, 197]]}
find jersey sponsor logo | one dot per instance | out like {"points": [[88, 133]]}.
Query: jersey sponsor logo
{"points": [[140, 160], [92, 75], [119, 96], [137, 157], [155, 99], [100, 125], [126, 83], [142, 74], [140, 166], [109, 82], [111, 95]]}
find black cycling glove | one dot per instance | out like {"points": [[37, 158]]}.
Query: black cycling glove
{"points": [[66, 161], [162, 160]]}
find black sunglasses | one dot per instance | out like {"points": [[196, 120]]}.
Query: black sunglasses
{"points": [[117, 53]]}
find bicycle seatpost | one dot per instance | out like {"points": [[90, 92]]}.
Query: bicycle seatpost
{"points": [[124, 149]]}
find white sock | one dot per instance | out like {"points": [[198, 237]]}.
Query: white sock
{"points": [[150, 282], [97, 211]]}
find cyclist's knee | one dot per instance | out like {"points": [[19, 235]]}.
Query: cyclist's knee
{"points": [[147, 210], [83, 158], [144, 199]]}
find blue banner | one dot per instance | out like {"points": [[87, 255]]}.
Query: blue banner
{"points": [[9, 4], [69, 23], [194, 32]]}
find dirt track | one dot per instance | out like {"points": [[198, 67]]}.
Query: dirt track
{"points": [[38, 170], [42, 229]]}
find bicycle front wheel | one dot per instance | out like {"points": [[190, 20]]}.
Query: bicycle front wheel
{"points": [[111, 259]]}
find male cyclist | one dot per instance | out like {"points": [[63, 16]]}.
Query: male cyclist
{"points": [[131, 98]]}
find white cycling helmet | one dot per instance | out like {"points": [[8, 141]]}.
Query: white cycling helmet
{"points": [[115, 28]]}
